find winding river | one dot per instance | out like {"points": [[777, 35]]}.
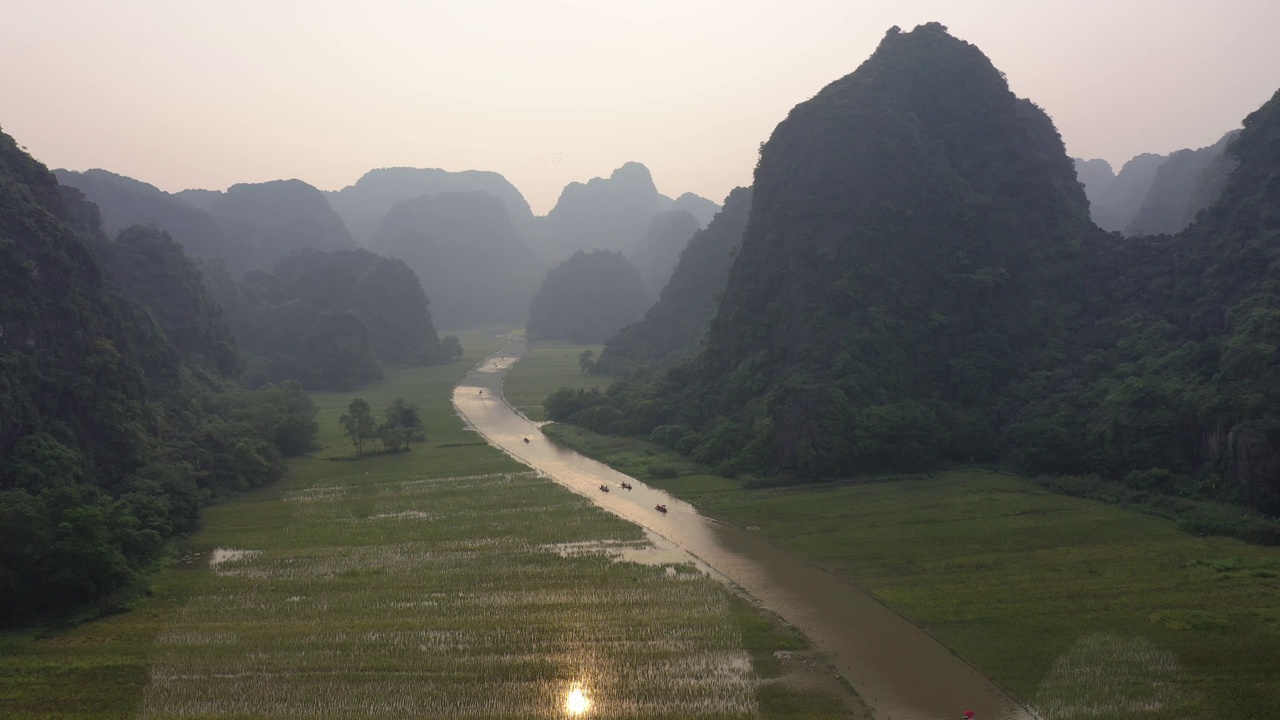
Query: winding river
{"points": [[899, 670]]}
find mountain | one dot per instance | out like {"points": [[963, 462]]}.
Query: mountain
{"points": [[1180, 393], [699, 207], [146, 265], [365, 204], [603, 213], [273, 219], [113, 433], [1096, 176], [587, 298], [202, 199], [329, 320], [673, 328], [124, 202], [1186, 183], [464, 250], [911, 265], [1120, 202], [657, 253]]}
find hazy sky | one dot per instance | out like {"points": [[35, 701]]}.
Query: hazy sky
{"points": [[187, 93]]}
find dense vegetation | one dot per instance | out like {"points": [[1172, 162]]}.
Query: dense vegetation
{"points": [[329, 320], [463, 248], [587, 298], [658, 252], [920, 283], [673, 328], [112, 433]]}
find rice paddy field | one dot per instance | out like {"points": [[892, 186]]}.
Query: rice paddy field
{"points": [[548, 366], [1082, 609], [445, 582]]}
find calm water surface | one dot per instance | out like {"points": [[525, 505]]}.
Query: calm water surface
{"points": [[899, 670]]}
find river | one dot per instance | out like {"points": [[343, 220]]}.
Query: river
{"points": [[899, 670]]}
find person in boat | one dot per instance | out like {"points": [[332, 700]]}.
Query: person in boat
{"points": [[660, 508], [626, 486], [604, 488]]}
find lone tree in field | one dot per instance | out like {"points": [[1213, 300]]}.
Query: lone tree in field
{"points": [[359, 423], [402, 424]]}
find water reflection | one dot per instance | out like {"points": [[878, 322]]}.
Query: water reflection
{"points": [[576, 702], [897, 668]]}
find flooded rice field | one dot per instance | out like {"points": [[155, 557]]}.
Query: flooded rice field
{"points": [[899, 670], [419, 597]]}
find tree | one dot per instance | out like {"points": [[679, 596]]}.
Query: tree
{"points": [[586, 360], [359, 423], [451, 346], [402, 424]]}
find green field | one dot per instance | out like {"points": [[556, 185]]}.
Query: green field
{"points": [[1082, 608], [447, 581], [549, 366]]}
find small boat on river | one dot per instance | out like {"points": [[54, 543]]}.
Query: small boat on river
{"points": [[626, 486], [661, 508], [604, 488]]}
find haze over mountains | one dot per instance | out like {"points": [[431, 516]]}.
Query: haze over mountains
{"points": [[1156, 194], [469, 236]]}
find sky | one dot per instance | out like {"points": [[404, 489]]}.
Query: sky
{"points": [[196, 93]]}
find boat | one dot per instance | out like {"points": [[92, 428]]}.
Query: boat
{"points": [[604, 488], [660, 508], [626, 486]]}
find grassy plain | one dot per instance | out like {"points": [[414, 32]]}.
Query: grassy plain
{"points": [[1084, 609], [548, 366], [448, 581]]}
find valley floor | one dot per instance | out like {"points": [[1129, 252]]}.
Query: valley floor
{"points": [[448, 581], [1083, 609]]}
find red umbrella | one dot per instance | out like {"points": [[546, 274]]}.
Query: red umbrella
{"points": [[968, 713]]}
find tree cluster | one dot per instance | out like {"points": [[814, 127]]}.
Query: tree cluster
{"points": [[400, 424]]}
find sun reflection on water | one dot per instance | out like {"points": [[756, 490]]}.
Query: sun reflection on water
{"points": [[576, 702]]}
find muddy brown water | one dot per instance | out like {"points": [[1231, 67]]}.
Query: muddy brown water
{"points": [[899, 670]]}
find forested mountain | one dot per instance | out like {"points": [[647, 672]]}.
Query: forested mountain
{"points": [[125, 202], [945, 298], [1186, 183], [365, 204], [147, 266], [699, 207], [657, 253], [587, 298], [111, 437], [909, 266], [1181, 391], [329, 320], [674, 327], [464, 250], [273, 219], [605, 214]]}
